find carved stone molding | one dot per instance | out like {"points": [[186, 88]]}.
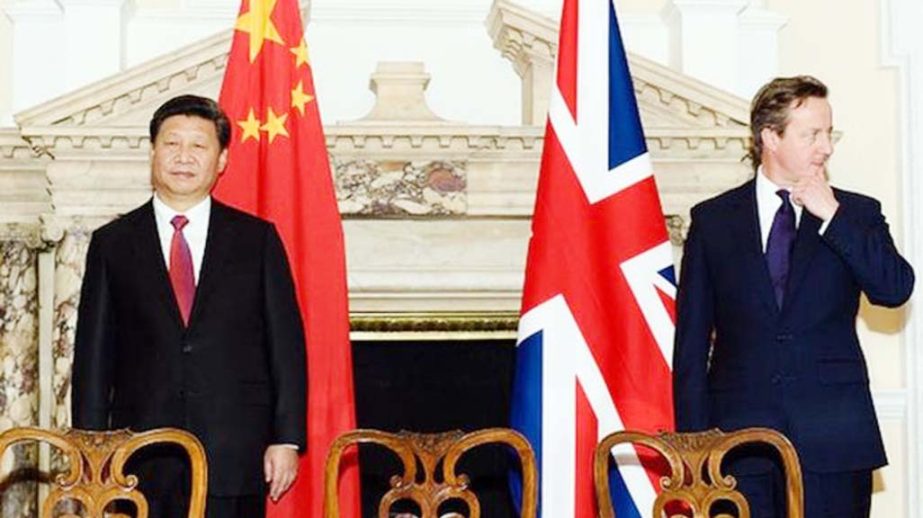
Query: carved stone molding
{"points": [[199, 63], [521, 35], [56, 142], [14, 147], [347, 140]]}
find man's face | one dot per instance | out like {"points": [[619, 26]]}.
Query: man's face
{"points": [[802, 150], [186, 159]]}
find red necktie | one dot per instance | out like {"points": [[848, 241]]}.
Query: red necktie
{"points": [[181, 275]]}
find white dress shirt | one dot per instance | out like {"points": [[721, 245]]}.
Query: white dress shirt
{"points": [[195, 231], [768, 203]]}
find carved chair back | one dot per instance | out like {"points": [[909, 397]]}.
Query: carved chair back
{"points": [[422, 482], [95, 463], [694, 480]]}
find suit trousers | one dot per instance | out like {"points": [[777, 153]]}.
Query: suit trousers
{"points": [[177, 506], [164, 479], [845, 494]]}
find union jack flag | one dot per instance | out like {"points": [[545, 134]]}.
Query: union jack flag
{"points": [[598, 308]]}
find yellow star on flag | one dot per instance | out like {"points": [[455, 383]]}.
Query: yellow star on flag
{"points": [[300, 98], [301, 53], [275, 125], [251, 127], [258, 24]]}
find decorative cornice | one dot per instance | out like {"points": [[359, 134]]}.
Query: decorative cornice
{"points": [[14, 147], [455, 141], [52, 140], [695, 97], [521, 35], [369, 138]]}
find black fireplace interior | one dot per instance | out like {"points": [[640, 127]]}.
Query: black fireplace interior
{"points": [[435, 386]]}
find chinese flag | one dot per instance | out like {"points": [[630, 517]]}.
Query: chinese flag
{"points": [[278, 170]]}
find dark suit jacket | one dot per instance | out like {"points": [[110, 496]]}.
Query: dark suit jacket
{"points": [[235, 377], [739, 361]]}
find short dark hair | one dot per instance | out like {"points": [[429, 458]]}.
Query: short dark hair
{"points": [[195, 106], [772, 105]]}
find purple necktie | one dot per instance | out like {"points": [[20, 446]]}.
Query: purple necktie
{"points": [[779, 245], [181, 275]]}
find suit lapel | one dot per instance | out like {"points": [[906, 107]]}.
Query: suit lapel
{"points": [[806, 241], [217, 249], [745, 222], [151, 263]]}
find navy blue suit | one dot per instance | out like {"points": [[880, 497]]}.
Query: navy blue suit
{"points": [[741, 361]]}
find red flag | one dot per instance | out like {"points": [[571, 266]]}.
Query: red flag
{"points": [[278, 170]]}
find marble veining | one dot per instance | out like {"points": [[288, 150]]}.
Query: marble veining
{"points": [[399, 188], [18, 370]]}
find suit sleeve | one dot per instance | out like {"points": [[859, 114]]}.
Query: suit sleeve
{"points": [[859, 234], [286, 346], [694, 324], [94, 346]]}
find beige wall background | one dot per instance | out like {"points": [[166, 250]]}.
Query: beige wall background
{"points": [[840, 43]]}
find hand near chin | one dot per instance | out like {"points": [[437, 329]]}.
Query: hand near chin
{"points": [[815, 194]]}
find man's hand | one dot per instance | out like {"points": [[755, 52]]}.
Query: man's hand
{"points": [[280, 464], [815, 194]]}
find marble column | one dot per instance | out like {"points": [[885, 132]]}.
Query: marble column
{"points": [[18, 362]]}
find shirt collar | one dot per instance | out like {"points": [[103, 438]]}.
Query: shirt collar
{"points": [[766, 194], [197, 213]]}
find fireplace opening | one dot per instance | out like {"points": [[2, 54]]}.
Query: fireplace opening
{"points": [[434, 386]]}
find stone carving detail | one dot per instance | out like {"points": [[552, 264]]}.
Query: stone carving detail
{"points": [[26, 234], [677, 228], [382, 188], [18, 365]]}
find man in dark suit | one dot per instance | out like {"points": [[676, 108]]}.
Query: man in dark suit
{"points": [[188, 318], [769, 291]]}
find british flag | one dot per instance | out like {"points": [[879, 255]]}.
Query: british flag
{"points": [[596, 331]]}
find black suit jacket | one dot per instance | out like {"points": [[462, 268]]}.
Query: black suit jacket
{"points": [[236, 377], [740, 361]]}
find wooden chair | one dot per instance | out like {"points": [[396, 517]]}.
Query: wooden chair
{"points": [[95, 464], [695, 480], [426, 451]]}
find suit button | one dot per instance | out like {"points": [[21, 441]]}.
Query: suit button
{"points": [[182, 393], [187, 349], [776, 379]]}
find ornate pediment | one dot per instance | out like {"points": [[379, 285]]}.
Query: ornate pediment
{"points": [[667, 99], [417, 192], [113, 113]]}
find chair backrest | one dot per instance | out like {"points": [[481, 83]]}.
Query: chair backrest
{"points": [[95, 464], [429, 489], [694, 478]]}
